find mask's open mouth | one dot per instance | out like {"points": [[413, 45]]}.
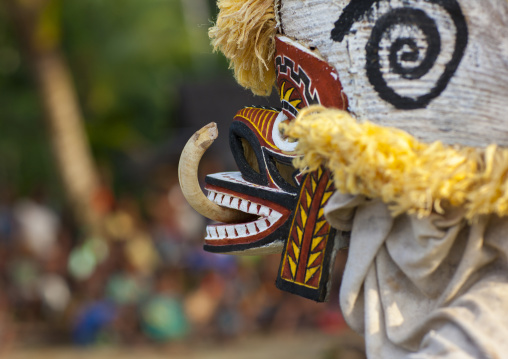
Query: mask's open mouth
{"points": [[263, 217], [260, 232]]}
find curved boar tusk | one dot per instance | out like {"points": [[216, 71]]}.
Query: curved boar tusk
{"points": [[187, 175]]}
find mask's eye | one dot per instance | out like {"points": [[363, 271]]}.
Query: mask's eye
{"points": [[286, 171], [414, 47], [250, 155], [247, 153], [282, 171]]}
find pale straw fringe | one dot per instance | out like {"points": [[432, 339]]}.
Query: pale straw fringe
{"points": [[245, 34], [390, 164]]}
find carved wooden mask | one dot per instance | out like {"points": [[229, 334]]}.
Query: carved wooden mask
{"points": [[287, 207]]}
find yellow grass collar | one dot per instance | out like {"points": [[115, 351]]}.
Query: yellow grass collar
{"points": [[390, 164]]}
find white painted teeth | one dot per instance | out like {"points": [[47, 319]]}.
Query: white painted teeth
{"points": [[243, 206], [268, 218], [226, 200], [264, 211], [235, 203], [238, 203], [230, 230], [251, 227], [254, 208], [261, 225], [241, 230], [211, 233], [221, 230]]}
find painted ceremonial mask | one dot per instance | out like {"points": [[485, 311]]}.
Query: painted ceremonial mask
{"points": [[287, 206], [437, 69]]}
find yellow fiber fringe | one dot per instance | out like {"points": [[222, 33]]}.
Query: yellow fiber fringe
{"points": [[389, 164], [245, 34]]}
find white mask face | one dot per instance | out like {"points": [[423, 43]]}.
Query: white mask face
{"points": [[435, 68]]}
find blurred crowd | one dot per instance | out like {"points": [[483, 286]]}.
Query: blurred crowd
{"points": [[145, 279]]}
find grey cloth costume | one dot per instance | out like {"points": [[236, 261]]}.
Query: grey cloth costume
{"points": [[433, 287]]}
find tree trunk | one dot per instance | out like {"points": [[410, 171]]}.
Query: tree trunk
{"points": [[38, 28]]}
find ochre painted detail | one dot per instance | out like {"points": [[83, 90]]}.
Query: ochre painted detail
{"points": [[306, 244], [262, 121], [303, 79]]}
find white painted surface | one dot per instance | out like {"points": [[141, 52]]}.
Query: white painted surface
{"points": [[299, 46], [470, 111], [281, 142]]}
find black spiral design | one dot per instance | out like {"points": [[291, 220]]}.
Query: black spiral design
{"points": [[406, 57]]}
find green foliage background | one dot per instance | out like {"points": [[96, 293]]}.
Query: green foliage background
{"points": [[127, 59]]}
